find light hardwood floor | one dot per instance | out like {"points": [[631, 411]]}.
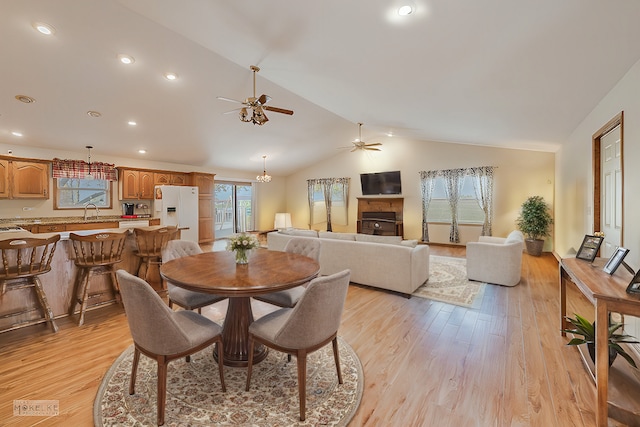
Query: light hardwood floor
{"points": [[426, 363]]}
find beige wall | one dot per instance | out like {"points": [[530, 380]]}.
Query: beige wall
{"points": [[519, 174], [574, 207]]}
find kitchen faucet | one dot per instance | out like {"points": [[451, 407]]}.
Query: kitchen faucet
{"points": [[85, 210]]}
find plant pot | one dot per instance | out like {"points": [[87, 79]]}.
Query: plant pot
{"points": [[592, 352], [534, 246]]}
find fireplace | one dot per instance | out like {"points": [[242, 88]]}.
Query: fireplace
{"points": [[380, 216]]}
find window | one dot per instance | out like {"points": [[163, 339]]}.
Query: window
{"points": [[75, 193], [328, 201], [469, 210]]}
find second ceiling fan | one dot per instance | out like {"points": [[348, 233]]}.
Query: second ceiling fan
{"points": [[254, 107]]}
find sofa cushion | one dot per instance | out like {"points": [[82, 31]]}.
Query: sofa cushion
{"points": [[390, 240], [514, 236], [338, 236], [409, 243], [298, 232]]}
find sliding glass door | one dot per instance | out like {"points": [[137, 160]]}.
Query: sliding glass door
{"points": [[234, 208]]}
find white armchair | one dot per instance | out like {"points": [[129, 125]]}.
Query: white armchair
{"points": [[496, 260]]}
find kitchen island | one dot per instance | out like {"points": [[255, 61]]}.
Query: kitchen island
{"points": [[19, 307]]}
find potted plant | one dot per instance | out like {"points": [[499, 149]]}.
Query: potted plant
{"points": [[535, 222], [587, 331]]}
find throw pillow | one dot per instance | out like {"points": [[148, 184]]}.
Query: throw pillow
{"points": [[409, 243], [336, 236]]}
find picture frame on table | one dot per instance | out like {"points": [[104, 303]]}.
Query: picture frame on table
{"points": [[589, 247], [616, 259], [634, 285]]}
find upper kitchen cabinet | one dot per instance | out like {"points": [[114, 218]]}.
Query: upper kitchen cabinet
{"points": [[135, 184], [23, 179], [170, 178]]}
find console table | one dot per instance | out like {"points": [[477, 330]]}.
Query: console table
{"points": [[621, 395]]}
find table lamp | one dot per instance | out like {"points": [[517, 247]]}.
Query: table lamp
{"points": [[282, 221]]}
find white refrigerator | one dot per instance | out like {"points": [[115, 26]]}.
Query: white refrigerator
{"points": [[178, 205]]}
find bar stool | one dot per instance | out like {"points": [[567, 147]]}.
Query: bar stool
{"points": [[23, 260], [95, 254], [150, 244]]}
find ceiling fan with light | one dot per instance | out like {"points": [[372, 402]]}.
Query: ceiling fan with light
{"points": [[359, 144], [254, 107]]}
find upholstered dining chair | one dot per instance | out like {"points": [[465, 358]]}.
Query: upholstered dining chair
{"points": [[163, 334], [307, 327], [189, 300], [289, 297]]}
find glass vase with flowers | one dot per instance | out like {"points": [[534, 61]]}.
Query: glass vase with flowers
{"points": [[242, 244]]}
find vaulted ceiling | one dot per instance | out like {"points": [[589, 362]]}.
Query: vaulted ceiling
{"points": [[508, 74]]}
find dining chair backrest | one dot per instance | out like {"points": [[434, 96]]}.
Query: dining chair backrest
{"points": [[180, 248], [26, 257], [102, 248], [151, 322], [317, 314], [307, 247], [151, 242]]}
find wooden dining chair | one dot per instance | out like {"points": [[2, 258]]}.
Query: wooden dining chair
{"points": [[94, 254], [307, 327], [163, 334], [150, 244], [189, 300], [23, 260], [290, 297]]}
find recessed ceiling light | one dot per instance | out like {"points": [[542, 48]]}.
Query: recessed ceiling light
{"points": [[126, 59], [131, 123], [170, 76], [44, 28], [406, 9], [92, 113], [142, 151], [26, 99], [16, 133]]}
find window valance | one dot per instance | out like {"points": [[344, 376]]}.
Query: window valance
{"points": [[80, 169]]}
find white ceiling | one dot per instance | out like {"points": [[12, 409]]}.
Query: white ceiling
{"points": [[518, 74]]}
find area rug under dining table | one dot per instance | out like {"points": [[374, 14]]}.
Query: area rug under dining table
{"points": [[194, 396]]}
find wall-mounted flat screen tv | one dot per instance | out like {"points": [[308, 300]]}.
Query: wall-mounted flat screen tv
{"points": [[381, 183]]}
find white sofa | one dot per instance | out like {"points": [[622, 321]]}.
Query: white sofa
{"points": [[386, 262], [496, 260]]}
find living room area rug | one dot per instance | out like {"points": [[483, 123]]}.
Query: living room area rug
{"points": [[194, 396], [448, 283]]}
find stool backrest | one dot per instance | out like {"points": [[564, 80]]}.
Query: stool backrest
{"points": [[26, 257], [151, 242], [97, 249]]}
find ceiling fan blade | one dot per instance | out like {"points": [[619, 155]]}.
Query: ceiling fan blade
{"points": [[355, 149], [232, 111], [229, 99], [278, 110], [372, 144], [264, 99], [371, 149]]}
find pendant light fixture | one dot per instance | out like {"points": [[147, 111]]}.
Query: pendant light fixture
{"points": [[89, 176], [264, 177]]}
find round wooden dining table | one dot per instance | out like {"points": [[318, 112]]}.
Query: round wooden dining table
{"points": [[217, 273]]}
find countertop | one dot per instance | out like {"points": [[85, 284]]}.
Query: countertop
{"points": [[67, 220]]}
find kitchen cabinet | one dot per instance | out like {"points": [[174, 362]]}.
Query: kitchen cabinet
{"points": [[135, 184], [21, 179], [169, 178], [206, 213]]}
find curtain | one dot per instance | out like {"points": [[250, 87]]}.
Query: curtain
{"points": [[333, 190], [80, 169], [427, 182], [483, 186], [453, 180]]}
